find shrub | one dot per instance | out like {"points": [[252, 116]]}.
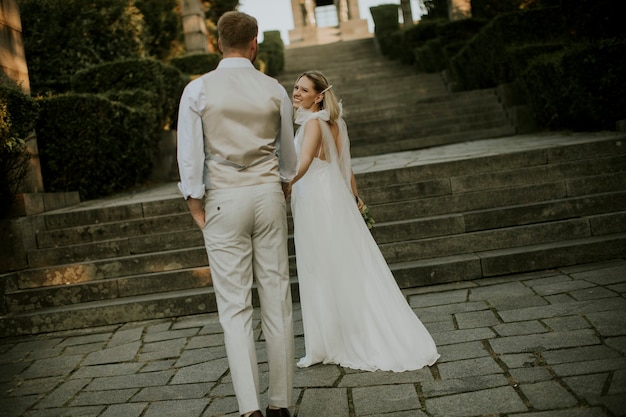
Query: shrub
{"points": [[272, 52], [18, 113], [386, 23], [93, 32], [483, 62], [580, 87], [107, 149], [196, 64]]}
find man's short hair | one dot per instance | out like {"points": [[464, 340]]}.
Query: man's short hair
{"points": [[236, 30]]}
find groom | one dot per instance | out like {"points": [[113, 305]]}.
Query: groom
{"points": [[235, 151]]}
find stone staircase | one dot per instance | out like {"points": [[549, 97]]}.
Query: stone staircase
{"points": [[390, 108], [484, 208]]}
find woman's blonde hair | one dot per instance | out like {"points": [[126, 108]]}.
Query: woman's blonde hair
{"points": [[329, 101]]}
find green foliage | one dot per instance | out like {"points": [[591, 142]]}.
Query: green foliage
{"points": [[214, 9], [63, 36], [434, 42], [165, 81], [386, 24], [580, 87], [196, 64], [163, 27], [107, 149], [18, 113], [272, 52], [483, 62], [593, 20]]}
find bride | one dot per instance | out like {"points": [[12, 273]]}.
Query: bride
{"points": [[353, 312]]}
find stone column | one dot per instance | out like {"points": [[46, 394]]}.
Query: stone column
{"points": [[304, 30], [459, 9], [194, 27], [354, 27], [13, 63]]}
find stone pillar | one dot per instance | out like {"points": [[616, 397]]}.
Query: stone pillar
{"points": [[304, 23], [354, 27], [13, 62], [459, 9], [194, 27]]}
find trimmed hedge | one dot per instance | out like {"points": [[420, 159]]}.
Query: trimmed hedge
{"points": [[109, 148], [196, 64], [272, 53], [484, 63], [386, 23], [580, 88], [165, 81]]}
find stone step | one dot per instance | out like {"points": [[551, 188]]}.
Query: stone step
{"points": [[408, 274], [441, 179]]}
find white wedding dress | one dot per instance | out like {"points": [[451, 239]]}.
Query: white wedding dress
{"points": [[353, 312]]}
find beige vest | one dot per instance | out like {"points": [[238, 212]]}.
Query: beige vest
{"points": [[240, 122]]}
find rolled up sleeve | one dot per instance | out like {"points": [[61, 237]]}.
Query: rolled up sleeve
{"points": [[288, 158], [190, 142]]}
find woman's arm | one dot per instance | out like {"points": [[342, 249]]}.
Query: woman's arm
{"points": [[310, 146]]}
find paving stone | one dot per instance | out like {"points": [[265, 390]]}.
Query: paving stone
{"points": [[176, 408], [111, 396], [437, 313], [617, 343], [548, 395], [126, 336], [158, 366], [364, 379], [536, 374], [589, 387], [519, 360], [208, 340], [317, 376], [618, 383], [572, 412], [194, 356], [490, 401], [14, 407], [506, 290], [173, 392], [162, 350], [209, 371], [563, 309], [124, 410], [85, 339], [519, 328], [169, 335], [545, 341], [466, 350], [389, 398], [469, 367], [60, 365], [62, 394], [554, 278], [604, 276], [589, 367], [442, 298], [608, 323], [151, 379], [120, 353], [83, 349], [559, 298], [223, 406], [561, 287], [87, 411], [439, 387], [96, 371], [593, 293], [579, 354], [514, 303], [475, 319], [334, 400], [440, 326], [411, 413], [615, 403], [465, 335], [560, 324]]}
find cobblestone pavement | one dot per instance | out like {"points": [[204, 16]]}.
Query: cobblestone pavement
{"points": [[543, 344]]}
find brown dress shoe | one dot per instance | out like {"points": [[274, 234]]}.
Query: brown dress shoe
{"points": [[282, 412], [257, 413]]}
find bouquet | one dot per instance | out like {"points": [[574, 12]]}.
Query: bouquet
{"points": [[365, 212]]}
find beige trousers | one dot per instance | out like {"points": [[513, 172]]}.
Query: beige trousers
{"points": [[245, 237]]}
